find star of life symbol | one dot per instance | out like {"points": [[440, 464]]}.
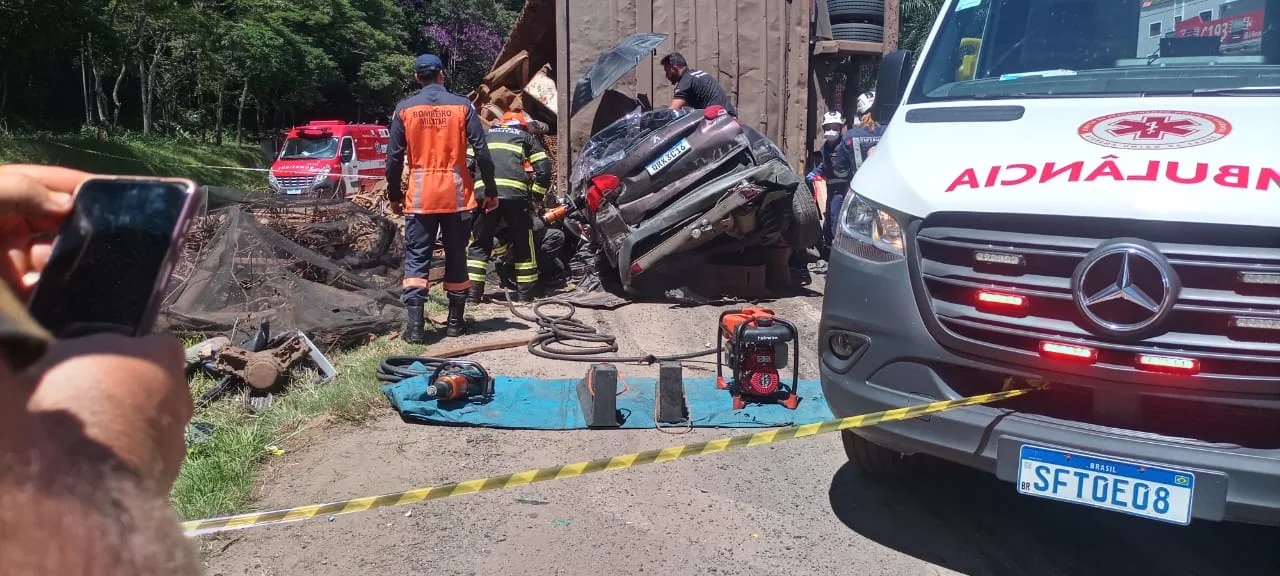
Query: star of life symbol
{"points": [[1152, 128]]}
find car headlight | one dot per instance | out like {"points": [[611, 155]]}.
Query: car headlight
{"points": [[868, 232], [320, 178]]}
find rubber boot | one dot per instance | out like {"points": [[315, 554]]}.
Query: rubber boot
{"points": [[477, 292], [527, 293], [414, 324], [457, 307]]}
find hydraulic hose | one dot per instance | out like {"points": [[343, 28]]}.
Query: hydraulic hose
{"points": [[396, 368], [562, 337]]}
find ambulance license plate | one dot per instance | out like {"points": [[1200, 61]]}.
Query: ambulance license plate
{"points": [[293, 191], [1129, 487]]}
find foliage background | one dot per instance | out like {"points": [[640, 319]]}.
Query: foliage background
{"points": [[229, 68], [242, 69]]}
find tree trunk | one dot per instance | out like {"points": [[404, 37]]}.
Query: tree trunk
{"points": [[147, 77], [244, 97], [84, 86], [100, 96], [217, 132], [115, 97]]}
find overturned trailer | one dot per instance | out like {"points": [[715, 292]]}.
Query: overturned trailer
{"points": [[775, 58]]}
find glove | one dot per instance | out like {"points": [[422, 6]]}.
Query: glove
{"points": [[490, 203]]}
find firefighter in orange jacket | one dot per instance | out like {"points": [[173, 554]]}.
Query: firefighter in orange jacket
{"points": [[433, 129]]}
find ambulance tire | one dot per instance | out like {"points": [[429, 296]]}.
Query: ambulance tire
{"points": [[339, 191], [858, 32], [872, 459], [842, 11], [804, 228]]}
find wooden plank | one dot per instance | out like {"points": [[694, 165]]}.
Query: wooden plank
{"points": [[644, 71], [565, 81], [891, 17], [848, 47], [446, 351], [798, 114]]}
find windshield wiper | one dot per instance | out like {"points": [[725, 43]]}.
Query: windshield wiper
{"points": [[1243, 91]]}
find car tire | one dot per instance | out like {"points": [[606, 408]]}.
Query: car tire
{"points": [[858, 32], [872, 459], [842, 11], [804, 227]]}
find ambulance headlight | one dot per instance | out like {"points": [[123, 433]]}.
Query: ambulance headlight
{"points": [[868, 232], [320, 178], [272, 180]]}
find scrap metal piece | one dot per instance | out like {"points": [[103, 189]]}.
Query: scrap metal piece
{"points": [[262, 370]]}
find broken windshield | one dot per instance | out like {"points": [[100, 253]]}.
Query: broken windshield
{"points": [[309, 148], [615, 140], [992, 49]]}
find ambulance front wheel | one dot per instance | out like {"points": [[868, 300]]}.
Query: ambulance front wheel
{"points": [[872, 459]]}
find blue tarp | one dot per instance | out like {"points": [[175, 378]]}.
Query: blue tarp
{"points": [[534, 404]]}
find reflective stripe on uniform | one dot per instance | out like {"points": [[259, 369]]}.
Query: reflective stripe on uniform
{"points": [[538, 189], [527, 272], [507, 146], [477, 270], [457, 286], [513, 184], [415, 283], [538, 156]]}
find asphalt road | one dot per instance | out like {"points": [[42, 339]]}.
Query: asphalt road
{"points": [[790, 508]]}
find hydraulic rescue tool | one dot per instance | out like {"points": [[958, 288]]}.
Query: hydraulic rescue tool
{"points": [[454, 380], [753, 343]]}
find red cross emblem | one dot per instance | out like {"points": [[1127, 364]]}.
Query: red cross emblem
{"points": [[1152, 128]]}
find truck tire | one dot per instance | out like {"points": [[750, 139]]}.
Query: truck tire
{"points": [[858, 32], [842, 11], [804, 227], [872, 459]]}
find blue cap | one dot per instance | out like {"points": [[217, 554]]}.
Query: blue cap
{"points": [[427, 63]]}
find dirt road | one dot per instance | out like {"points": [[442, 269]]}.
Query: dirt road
{"points": [[793, 508]]}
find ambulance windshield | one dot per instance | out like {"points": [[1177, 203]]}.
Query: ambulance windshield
{"points": [[302, 148], [1006, 49]]}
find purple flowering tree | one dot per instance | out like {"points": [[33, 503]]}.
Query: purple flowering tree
{"points": [[469, 46]]}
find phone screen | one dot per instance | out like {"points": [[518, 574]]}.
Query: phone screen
{"points": [[104, 272]]}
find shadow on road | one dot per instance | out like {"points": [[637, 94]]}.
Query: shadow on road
{"points": [[970, 522]]}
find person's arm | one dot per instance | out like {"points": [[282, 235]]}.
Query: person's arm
{"points": [[480, 145], [537, 156], [681, 96], [395, 159]]}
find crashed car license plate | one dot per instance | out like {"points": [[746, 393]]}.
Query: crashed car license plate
{"points": [[669, 156], [1130, 487]]}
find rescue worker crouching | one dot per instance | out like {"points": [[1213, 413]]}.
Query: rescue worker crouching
{"points": [[430, 133], [512, 148]]}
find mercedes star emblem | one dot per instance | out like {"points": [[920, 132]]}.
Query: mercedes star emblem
{"points": [[1124, 287]]}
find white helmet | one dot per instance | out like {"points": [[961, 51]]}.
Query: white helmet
{"points": [[865, 101], [832, 117]]}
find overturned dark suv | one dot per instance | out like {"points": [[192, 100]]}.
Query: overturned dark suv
{"points": [[667, 191]]}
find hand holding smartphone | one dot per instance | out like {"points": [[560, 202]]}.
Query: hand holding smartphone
{"points": [[111, 261]]}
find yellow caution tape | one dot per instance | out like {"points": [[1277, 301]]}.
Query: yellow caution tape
{"points": [[239, 521]]}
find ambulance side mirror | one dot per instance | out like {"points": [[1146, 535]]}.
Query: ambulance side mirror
{"points": [[347, 154], [891, 85]]}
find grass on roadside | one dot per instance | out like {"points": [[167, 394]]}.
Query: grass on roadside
{"points": [[141, 156], [218, 475]]}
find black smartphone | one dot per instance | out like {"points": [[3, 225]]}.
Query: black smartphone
{"points": [[112, 258]]}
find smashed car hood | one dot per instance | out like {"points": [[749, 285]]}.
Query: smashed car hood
{"points": [[1203, 159]]}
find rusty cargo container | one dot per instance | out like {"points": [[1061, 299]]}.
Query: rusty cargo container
{"points": [[767, 54]]}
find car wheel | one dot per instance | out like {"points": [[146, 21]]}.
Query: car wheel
{"points": [[804, 228], [871, 458]]}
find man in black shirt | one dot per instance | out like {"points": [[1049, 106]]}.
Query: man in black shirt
{"points": [[694, 88]]}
